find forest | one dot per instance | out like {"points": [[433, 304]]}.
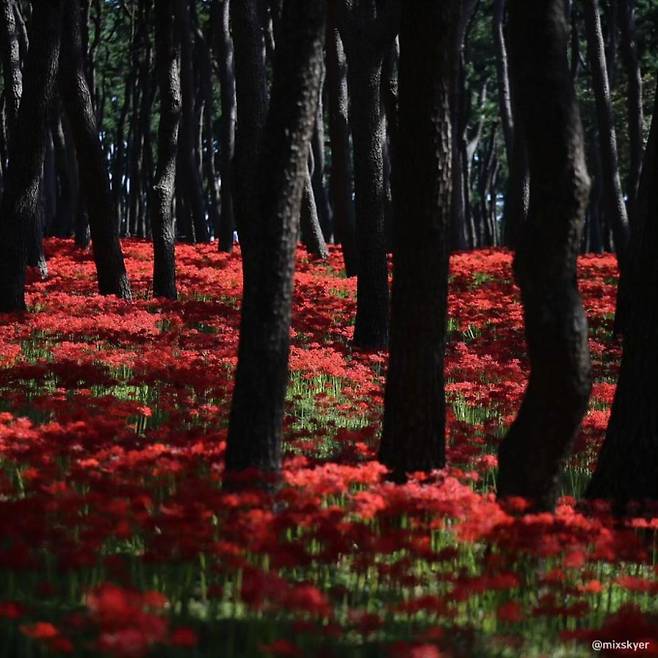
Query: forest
{"points": [[328, 328]]}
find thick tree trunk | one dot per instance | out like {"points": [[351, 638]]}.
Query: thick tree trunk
{"points": [[162, 218], [254, 439], [555, 401], [367, 33], [223, 45], [187, 174], [340, 182], [635, 112], [11, 63], [414, 413], [21, 196], [94, 180], [628, 462]]}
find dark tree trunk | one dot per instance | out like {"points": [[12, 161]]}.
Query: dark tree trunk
{"points": [[187, 174], [615, 206], [367, 33], [628, 463], [340, 182], [555, 401], [224, 54], [94, 180], [414, 412], [635, 114], [311, 231], [162, 218], [66, 183], [317, 175], [11, 63], [21, 197], [254, 438], [252, 101], [504, 88]]}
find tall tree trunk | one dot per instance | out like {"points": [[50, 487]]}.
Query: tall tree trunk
{"points": [[531, 455], [254, 438], [162, 218], [223, 45], [504, 88], [311, 231], [21, 196], [628, 462], [635, 112], [188, 176], [317, 175], [414, 410], [367, 33], [340, 182], [94, 179], [615, 206], [252, 102]]}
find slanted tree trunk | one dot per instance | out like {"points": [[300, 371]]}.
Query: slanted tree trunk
{"points": [[21, 196], [615, 206], [254, 438], [311, 231], [94, 179], [414, 410], [531, 455], [340, 181], [628, 462], [367, 32], [317, 175], [162, 218], [635, 113], [223, 46]]}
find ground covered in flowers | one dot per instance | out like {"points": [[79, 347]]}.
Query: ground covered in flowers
{"points": [[119, 541]]}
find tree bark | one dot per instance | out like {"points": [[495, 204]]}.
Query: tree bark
{"points": [[367, 33], [94, 179], [223, 45], [254, 438], [21, 196], [414, 410], [11, 63], [531, 455], [628, 462], [340, 182], [162, 194], [187, 174], [311, 231]]}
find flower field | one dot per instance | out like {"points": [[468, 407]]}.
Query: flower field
{"points": [[119, 541]]}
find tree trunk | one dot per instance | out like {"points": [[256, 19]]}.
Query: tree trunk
{"points": [[414, 412], [317, 175], [252, 101], [223, 45], [340, 182], [21, 196], [311, 230], [635, 112], [11, 63], [367, 33], [254, 438], [616, 209], [94, 180], [504, 88], [162, 218], [188, 176], [531, 455], [628, 462]]}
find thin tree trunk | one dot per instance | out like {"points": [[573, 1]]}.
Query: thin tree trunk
{"points": [[254, 438], [414, 413], [311, 230], [94, 180], [531, 455], [224, 55], [21, 196], [162, 218]]}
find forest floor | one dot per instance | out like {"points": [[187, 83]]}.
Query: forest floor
{"points": [[119, 541]]}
